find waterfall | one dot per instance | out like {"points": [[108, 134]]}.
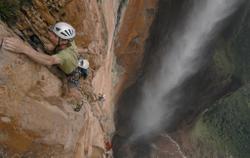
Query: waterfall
{"points": [[181, 59]]}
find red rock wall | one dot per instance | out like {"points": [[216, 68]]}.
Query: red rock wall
{"points": [[129, 45], [35, 120]]}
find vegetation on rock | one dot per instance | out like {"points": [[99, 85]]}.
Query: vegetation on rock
{"points": [[227, 124], [224, 129]]}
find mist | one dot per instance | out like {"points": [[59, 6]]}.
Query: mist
{"points": [[182, 58]]}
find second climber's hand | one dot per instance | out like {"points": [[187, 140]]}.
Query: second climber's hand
{"points": [[14, 45]]}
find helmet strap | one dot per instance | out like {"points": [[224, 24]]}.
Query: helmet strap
{"points": [[59, 42], [57, 47]]}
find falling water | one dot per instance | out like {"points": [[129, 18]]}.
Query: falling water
{"points": [[181, 60]]}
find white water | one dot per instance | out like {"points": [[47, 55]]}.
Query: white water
{"points": [[182, 60]]}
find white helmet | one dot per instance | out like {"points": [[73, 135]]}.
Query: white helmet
{"points": [[64, 30], [83, 63]]}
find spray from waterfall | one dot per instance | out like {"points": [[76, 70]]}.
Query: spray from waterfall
{"points": [[181, 60]]}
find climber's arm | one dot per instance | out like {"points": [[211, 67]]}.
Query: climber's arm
{"points": [[17, 46], [41, 58]]}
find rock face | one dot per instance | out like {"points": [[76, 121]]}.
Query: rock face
{"points": [[33, 112], [35, 118], [130, 43], [37, 121]]}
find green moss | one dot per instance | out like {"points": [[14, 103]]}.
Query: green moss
{"points": [[221, 68], [241, 57], [222, 60], [232, 53], [224, 130], [226, 125], [207, 142]]}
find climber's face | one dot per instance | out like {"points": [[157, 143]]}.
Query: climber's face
{"points": [[55, 39]]}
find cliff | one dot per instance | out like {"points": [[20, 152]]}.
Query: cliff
{"points": [[117, 37], [36, 120]]}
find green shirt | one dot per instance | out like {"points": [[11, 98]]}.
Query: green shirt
{"points": [[68, 58]]}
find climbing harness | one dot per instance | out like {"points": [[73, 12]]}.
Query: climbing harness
{"points": [[74, 77]]}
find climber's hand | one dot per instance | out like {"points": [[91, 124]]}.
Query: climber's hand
{"points": [[14, 45]]}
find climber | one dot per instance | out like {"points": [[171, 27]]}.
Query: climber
{"points": [[61, 36]]}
